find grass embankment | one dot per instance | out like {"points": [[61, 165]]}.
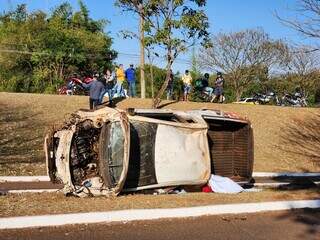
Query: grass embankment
{"points": [[55, 203], [24, 119]]}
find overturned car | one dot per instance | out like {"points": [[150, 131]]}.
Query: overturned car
{"points": [[109, 151]]}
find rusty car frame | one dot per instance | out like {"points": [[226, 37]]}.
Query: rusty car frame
{"points": [[109, 151]]}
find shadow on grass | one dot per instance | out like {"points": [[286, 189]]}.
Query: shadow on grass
{"points": [[21, 135], [168, 103], [302, 138]]}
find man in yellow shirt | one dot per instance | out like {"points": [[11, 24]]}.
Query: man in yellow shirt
{"points": [[120, 79], [186, 79]]}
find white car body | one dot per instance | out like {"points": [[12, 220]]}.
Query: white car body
{"points": [[108, 151]]}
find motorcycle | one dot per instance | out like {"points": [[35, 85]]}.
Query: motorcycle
{"points": [[268, 98], [205, 96], [295, 100], [74, 87]]}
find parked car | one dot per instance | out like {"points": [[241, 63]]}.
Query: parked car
{"points": [[109, 151], [248, 101]]}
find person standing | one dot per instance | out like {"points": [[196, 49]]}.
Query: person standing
{"points": [[108, 80], [95, 89], [218, 91], [170, 86], [186, 79], [131, 78], [120, 79]]}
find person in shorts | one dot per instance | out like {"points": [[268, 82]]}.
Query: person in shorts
{"points": [[218, 91], [187, 80]]}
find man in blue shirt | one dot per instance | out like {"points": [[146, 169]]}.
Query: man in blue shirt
{"points": [[95, 88], [131, 78]]}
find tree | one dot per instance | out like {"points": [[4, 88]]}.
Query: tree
{"points": [[195, 68], [39, 51], [303, 68], [156, 79], [171, 24], [243, 56], [307, 21]]}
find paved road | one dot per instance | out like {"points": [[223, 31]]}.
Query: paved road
{"points": [[286, 225]]}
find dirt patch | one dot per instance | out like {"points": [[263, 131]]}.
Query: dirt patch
{"points": [[25, 118], [55, 203]]}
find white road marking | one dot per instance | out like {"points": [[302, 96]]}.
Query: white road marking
{"points": [[151, 214]]}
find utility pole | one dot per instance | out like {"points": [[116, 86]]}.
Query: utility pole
{"points": [[141, 29]]}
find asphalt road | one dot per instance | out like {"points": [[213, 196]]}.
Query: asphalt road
{"points": [[286, 225]]}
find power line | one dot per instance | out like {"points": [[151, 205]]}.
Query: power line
{"points": [[132, 55]]}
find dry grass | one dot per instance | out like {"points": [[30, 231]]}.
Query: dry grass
{"points": [[24, 119], [55, 203]]}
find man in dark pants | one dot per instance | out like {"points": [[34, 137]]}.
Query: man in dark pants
{"points": [[95, 87], [131, 78]]}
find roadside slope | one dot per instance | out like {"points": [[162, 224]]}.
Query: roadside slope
{"points": [[24, 119]]}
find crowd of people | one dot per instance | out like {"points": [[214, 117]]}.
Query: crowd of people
{"points": [[110, 83], [201, 85]]}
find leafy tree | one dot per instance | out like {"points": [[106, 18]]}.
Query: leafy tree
{"points": [[39, 51], [170, 24]]}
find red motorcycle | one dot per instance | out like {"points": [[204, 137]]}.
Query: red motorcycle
{"points": [[74, 86]]}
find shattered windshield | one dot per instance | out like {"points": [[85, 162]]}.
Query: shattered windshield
{"points": [[113, 153]]}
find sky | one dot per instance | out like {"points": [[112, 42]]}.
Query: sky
{"points": [[224, 16]]}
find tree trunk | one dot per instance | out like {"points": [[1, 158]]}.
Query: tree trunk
{"points": [[238, 92], [157, 99], [152, 80], [141, 29]]}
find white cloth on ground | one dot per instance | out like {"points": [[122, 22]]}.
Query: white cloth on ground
{"points": [[220, 184]]}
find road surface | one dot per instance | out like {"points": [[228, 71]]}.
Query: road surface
{"points": [[286, 225]]}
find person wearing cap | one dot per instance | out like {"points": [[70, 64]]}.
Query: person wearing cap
{"points": [[131, 79], [95, 89], [186, 79]]}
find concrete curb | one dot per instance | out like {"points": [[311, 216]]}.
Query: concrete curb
{"points": [[30, 191], [150, 214], [273, 185], [255, 174], [284, 174], [24, 179]]}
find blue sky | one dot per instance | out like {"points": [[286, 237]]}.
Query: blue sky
{"points": [[224, 16]]}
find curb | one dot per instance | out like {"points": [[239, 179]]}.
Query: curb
{"points": [[284, 174], [29, 191], [24, 179], [254, 174], [150, 214]]}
